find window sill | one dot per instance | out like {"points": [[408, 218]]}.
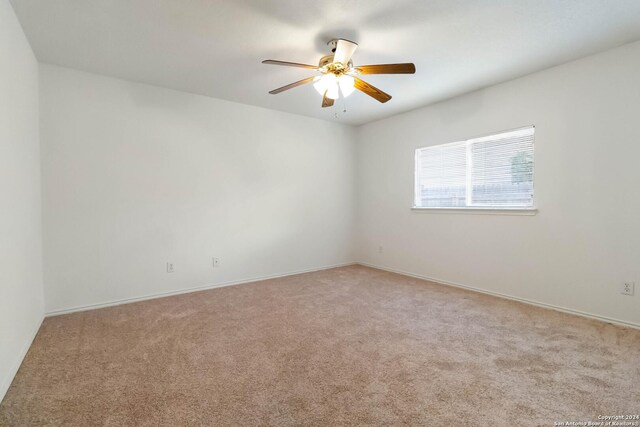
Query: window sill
{"points": [[480, 211]]}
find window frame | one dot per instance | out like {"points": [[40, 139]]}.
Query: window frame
{"points": [[482, 210]]}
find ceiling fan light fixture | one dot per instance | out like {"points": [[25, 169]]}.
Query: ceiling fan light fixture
{"points": [[328, 84]]}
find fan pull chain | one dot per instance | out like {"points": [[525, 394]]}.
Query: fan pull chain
{"points": [[344, 107]]}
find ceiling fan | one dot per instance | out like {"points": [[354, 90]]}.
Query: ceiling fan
{"points": [[337, 74]]}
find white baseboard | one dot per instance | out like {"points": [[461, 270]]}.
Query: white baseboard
{"points": [[187, 290], [505, 296], [6, 382]]}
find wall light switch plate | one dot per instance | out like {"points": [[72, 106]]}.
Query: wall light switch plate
{"points": [[628, 288]]}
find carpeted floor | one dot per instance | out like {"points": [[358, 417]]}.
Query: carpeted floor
{"points": [[348, 346]]}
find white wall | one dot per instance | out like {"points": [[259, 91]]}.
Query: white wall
{"points": [[135, 176], [584, 242], [21, 294]]}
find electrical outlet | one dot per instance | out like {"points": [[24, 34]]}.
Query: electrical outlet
{"points": [[628, 288], [216, 262], [170, 267], [380, 249]]}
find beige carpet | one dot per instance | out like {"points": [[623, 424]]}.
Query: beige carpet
{"points": [[348, 346]]}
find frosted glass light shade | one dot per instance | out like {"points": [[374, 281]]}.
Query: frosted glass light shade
{"points": [[346, 85], [330, 83]]}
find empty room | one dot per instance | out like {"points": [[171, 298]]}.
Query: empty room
{"points": [[323, 213]]}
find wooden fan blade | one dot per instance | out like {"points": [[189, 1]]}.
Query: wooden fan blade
{"points": [[407, 68], [292, 85], [344, 51], [326, 101], [370, 90], [289, 64]]}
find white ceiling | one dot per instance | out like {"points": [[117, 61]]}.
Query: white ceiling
{"points": [[214, 47]]}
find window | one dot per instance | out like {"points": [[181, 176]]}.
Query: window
{"points": [[491, 172]]}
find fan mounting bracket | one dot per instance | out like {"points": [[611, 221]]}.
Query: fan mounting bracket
{"points": [[333, 44]]}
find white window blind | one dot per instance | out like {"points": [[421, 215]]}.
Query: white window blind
{"points": [[490, 172]]}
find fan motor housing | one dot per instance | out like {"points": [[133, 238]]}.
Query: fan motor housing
{"points": [[325, 60], [328, 59]]}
